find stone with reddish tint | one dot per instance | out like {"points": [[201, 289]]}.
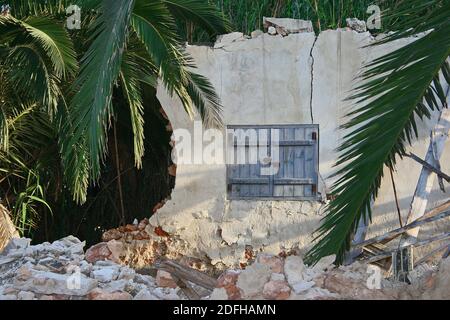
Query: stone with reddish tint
{"points": [[275, 263], [112, 234], [276, 290], [99, 294], [165, 280], [173, 170], [99, 252], [228, 281], [227, 278], [117, 250], [234, 293], [143, 224]]}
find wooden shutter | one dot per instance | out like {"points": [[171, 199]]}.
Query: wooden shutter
{"points": [[297, 177], [245, 180]]}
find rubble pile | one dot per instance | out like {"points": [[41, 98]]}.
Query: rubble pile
{"points": [[63, 271], [278, 278], [141, 244]]}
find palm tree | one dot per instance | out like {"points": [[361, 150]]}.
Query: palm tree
{"points": [[133, 43], [61, 89], [37, 58], [401, 87]]}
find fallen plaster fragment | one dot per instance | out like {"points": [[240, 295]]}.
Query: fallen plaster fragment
{"points": [[285, 26]]}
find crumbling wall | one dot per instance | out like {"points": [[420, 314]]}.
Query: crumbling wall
{"points": [[271, 79]]}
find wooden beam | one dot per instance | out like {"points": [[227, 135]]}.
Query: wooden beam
{"points": [[387, 254], [424, 187], [431, 254], [186, 273], [429, 166], [399, 231]]}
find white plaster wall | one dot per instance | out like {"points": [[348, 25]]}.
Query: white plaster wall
{"points": [[267, 80]]}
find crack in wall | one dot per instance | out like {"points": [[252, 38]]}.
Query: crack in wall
{"points": [[312, 78]]}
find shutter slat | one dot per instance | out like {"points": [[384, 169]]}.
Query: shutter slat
{"points": [[297, 176]]}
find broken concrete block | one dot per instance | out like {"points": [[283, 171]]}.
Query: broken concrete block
{"points": [[272, 31], [53, 283], [105, 274], [275, 263], [256, 34], [98, 252], [357, 25], [25, 295], [302, 286], [219, 294], [252, 280], [227, 39], [293, 269], [324, 264], [277, 277], [144, 294], [288, 25], [99, 294], [276, 290]]}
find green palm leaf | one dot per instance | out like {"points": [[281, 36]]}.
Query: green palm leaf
{"points": [[129, 76], [205, 16], [154, 25], [100, 67], [396, 86]]}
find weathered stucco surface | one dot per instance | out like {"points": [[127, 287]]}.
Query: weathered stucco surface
{"points": [[268, 80]]}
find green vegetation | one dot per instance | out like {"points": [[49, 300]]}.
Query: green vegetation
{"points": [[247, 15], [72, 102]]}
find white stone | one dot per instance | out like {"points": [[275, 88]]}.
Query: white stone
{"points": [[226, 39], [25, 295], [146, 280], [145, 294], [16, 253], [302, 286], [357, 25], [126, 273], [277, 277], [325, 263], [252, 280], [272, 31], [105, 274], [290, 25], [8, 297], [293, 269], [54, 283], [85, 267], [17, 243], [219, 294], [106, 263], [115, 286], [256, 34]]}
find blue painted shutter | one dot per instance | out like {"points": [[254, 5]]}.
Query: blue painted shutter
{"points": [[297, 177]]}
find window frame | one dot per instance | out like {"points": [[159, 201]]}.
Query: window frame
{"points": [[315, 180]]}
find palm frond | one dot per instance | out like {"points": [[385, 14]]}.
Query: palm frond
{"points": [[397, 85], [39, 56], [100, 67], [197, 12], [129, 77], [205, 98], [154, 26]]}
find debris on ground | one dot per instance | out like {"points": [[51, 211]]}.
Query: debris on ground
{"points": [[62, 270]]}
